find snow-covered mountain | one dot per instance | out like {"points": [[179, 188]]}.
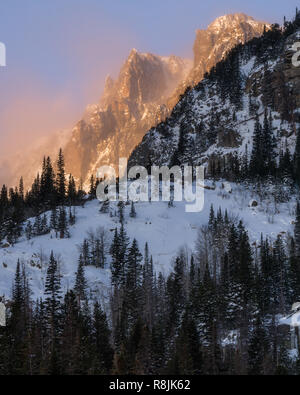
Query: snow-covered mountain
{"points": [[215, 120], [129, 107], [212, 45], [145, 92], [165, 229]]}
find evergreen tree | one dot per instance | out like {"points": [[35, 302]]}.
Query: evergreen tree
{"points": [[132, 211], [294, 274], [92, 191], [80, 282], [133, 282], [258, 347], [53, 306], [53, 220], [101, 339], [297, 159], [297, 232], [62, 225], [71, 193], [61, 178], [257, 159], [47, 184], [116, 269], [211, 216]]}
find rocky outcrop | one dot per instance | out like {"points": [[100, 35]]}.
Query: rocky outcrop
{"points": [[212, 45], [210, 127], [128, 108], [144, 94]]}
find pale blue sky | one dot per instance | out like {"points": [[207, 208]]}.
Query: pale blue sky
{"points": [[59, 51]]}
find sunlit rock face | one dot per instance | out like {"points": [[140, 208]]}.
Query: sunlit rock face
{"points": [[128, 108], [212, 45], [145, 92]]}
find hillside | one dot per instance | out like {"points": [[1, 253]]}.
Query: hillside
{"points": [[215, 121], [166, 230], [145, 92]]}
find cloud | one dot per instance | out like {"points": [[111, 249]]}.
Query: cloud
{"points": [[64, 70]]}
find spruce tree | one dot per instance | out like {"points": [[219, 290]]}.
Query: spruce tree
{"points": [[80, 282], [297, 159], [71, 193], [115, 268], [133, 282], [258, 347], [62, 225], [101, 339], [132, 211], [61, 178], [297, 232], [53, 307], [257, 159]]}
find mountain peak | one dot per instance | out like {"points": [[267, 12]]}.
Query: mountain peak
{"points": [[229, 19], [145, 91], [222, 34]]}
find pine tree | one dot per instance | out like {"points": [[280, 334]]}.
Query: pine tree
{"points": [[37, 225], [101, 338], [280, 275], [47, 187], [267, 146], [105, 207], [53, 220], [85, 253], [17, 324], [62, 225], [133, 282], [28, 230], [297, 159], [297, 232], [61, 178], [72, 194], [121, 212], [80, 282], [148, 287], [132, 211], [53, 287], [257, 159], [21, 189], [208, 317], [188, 350], [53, 306], [258, 347], [294, 274], [71, 338], [44, 225], [92, 191], [211, 216], [115, 263]]}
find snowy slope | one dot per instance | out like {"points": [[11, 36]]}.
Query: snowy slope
{"points": [[165, 229], [213, 127]]}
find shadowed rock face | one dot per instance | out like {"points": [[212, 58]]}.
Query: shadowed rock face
{"points": [[145, 92], [209, 127]]}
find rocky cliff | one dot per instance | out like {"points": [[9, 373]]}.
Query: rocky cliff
{"points": [[129, 107], [144, 94], [214, 122]]}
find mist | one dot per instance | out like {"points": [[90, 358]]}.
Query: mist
{"points": [[47, 91]]}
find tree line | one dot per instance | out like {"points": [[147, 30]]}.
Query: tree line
{"points": [[215, 313]]}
